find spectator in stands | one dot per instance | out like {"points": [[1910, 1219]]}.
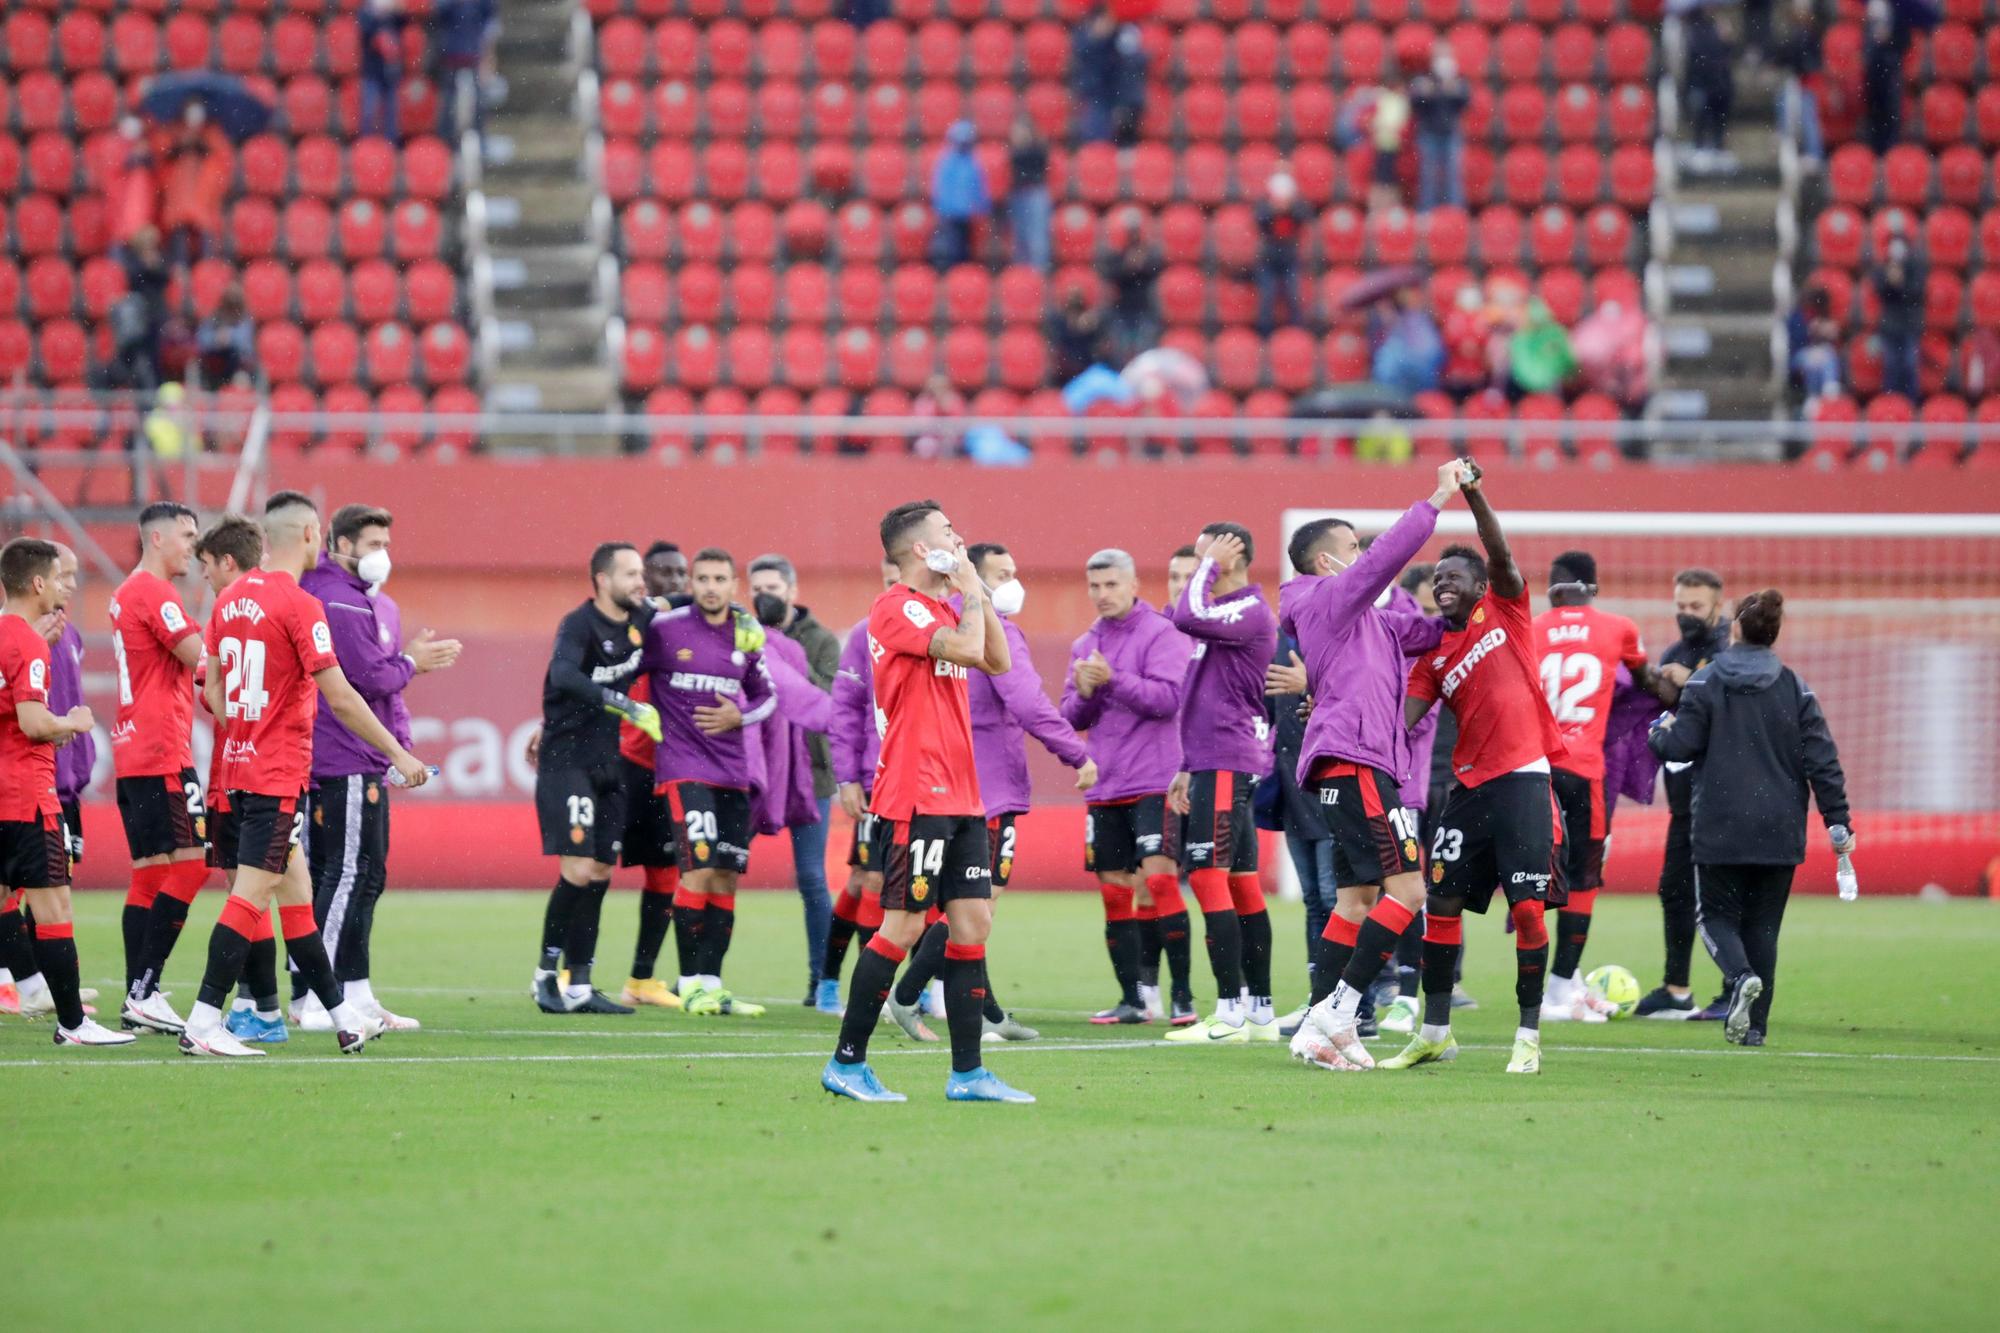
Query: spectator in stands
{"points": [[1885, 42], [1757, 29], [463, 33], [959, 196], [381, 25], [1076, 336], [1128, 93], [1437, 103], [1899, 286], [1801, 56], [147, 279], [1812, 340], [861, 13], [1711, 89], [1539, 356], [225, 343], [1466, 331], [1387, 131], [1132, 273], [1408, 351], [1610, 347], [938, 399], [1093, 77], [1028, 194], [194, 172], [1282, 220]]}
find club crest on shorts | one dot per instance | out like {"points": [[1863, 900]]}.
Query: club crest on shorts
{"points": [[1006, 867], [319, 815], [1437, 872], [575, 835], [701, 851], [201, 827], [1409, 849], [920, 888]]}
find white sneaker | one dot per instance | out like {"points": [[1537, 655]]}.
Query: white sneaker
{"points": [[1344, 1039], [1570, 1009], [309, 1015], [1149, 1000], [153, 1014], [1309, 1047], [353, 1028], [390, 1022], [1597, 1008], [1400, 1017], [214, 1040], [90, 1033]]}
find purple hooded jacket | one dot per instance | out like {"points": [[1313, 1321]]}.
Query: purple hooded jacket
{"points": [[1356, 652], [690, 663], [1416, 792], [1134, 720], [853, 739], [75, 760], [1631, 768], [780, 762], [1223, 726], [367, 634], [1006, 710]]}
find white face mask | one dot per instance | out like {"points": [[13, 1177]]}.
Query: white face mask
{"points": [[1008, 597], [1343, 565], [373, 568]]}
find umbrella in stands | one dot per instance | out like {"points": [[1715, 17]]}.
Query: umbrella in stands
{"points": [[1372, 287], [231, 107], [1172, 370], [1353, 402]]}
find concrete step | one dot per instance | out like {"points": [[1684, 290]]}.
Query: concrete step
{"points": [[553, 389], [540, 88], [550, 340]]}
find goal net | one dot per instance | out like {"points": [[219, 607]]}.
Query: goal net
{"points": [[1893, 620]]}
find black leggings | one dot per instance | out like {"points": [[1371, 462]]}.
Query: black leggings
{"points": [[1741, 910]]}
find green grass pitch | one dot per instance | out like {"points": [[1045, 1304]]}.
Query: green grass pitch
{"points": [[504, 1169]]}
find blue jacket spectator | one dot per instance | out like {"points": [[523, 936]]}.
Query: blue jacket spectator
{"points": [[959, 195]]}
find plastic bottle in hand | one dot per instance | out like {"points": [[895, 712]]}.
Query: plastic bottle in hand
{"points": [[1843, 872]]}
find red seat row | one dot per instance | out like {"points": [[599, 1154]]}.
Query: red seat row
{"points": [[1948, 237], [136, 44], [339, 353]]}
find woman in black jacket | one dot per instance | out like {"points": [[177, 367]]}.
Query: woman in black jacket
{"points": [[1759, 742]]}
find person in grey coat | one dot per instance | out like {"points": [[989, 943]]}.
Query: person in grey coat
{"points": [[1760, 746]]}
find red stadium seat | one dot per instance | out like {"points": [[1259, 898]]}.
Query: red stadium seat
{"points": [[699, 294], [805, 294], [912, 358], [857, 357], [391, 354]]}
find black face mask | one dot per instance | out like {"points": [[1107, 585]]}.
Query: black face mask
{"points": [[770, 610], [1693, 628]]}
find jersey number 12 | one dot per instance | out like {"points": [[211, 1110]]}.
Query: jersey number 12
{"points": [[1569, 681]]}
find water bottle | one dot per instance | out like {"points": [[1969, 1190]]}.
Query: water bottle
{"points": [[1843, 874], [395, 779]]}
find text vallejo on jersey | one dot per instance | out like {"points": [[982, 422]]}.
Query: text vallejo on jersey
{"points": [[1488, 642], [701, 684]]}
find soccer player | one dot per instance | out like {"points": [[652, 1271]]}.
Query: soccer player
{"points": [[1356, 752], [1704, 633], [927, 797], [774, 586], [854, 745], [579, 782], [648, 844], [1225, 745], [271, 658], [34, 854], [347, 842], [1180, 568], [705, 665], [1581, 649], [1126, 673], [1499, 825], [156, 646], [1006, 710], [231, 548]]}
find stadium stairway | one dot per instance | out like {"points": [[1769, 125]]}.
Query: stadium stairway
{"points": [[544, 240], [1718, 279]]}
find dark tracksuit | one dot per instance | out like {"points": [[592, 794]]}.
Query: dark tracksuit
{"points": [[1677, 867], [1760, 746]]}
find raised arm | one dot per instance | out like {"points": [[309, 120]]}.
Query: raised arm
{"points": [[1195, 615], [1503, 575], [566, 673], [1353, 592], [802, 703], [965, 644]]}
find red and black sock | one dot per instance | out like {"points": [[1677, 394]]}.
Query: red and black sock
{"points": [[965, 1002], [689, 910], [229, 945], [874, 972], [555, 923], [926, 962], [1121, 940], [139, 899], [1176, 933], [870, 919], [1331, 954], [656, 915], [1531, 960], [260, 966], [1410, 958], [179, 886], [1444, 941], [1375, 944], [718, 927], [1573, 931], [1224, 931], [308, 951], [840, 934], [55, 955]]}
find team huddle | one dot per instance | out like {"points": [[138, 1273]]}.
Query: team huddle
{"points": [[289, 608], [1419, 755]]}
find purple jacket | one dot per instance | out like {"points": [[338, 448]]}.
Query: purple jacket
{"points": [[1356, 652], [781, 764], [690, 662], [368, 642], [1134, 720], [1006, 710], [1416, 792], [853, 738], [1223, 726], [1630, 766], [75, 760]]}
